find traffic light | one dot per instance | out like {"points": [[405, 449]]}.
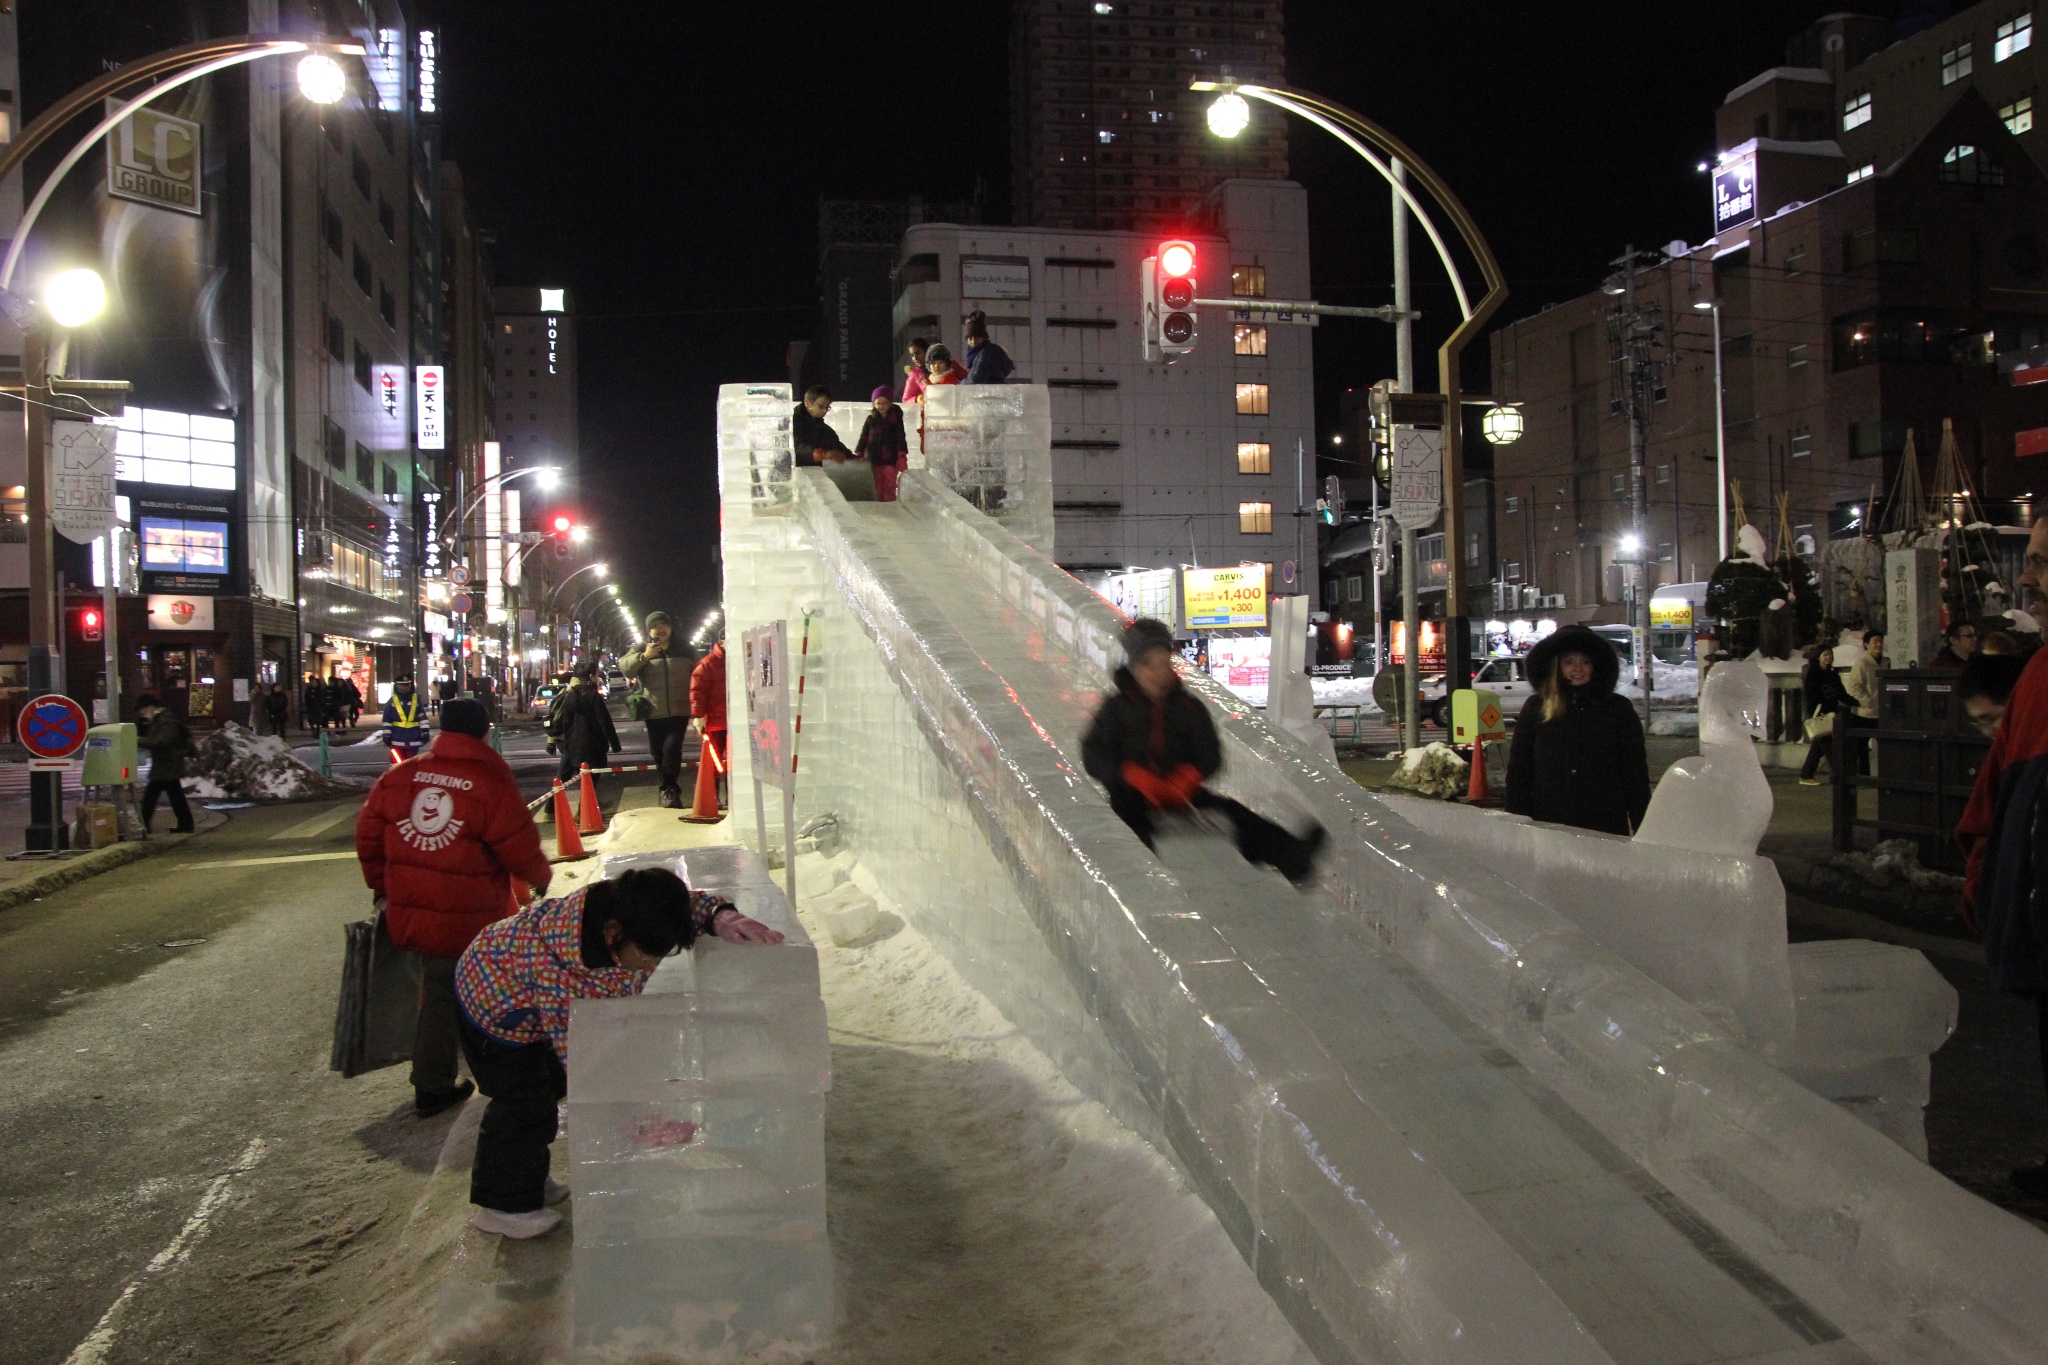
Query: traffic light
{"points": [[91, 624], [561, 524], [1175, 272], [1331, 505]]}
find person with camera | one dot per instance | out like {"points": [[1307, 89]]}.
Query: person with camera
{"points": [[661, 698]]}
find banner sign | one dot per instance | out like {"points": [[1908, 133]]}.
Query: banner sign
{"points": [[1418, 476], [430, 400], [765, 653], [82, 485], [1222, 598], [1147, 592]]}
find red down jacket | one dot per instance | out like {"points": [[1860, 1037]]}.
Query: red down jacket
{"points": [[707, 689], [440, 838]]}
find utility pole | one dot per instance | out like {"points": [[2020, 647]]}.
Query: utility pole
{"points": [[1634, 331], [1404, 380]]}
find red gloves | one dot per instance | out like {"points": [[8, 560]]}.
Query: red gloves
{"points": [[1171, 791]]}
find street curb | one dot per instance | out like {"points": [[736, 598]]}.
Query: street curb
{"points": [[88, 865]]}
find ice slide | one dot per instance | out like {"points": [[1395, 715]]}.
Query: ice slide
{"points": [[1439, 1120]]}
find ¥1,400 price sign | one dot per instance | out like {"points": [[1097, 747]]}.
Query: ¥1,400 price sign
{"points": [[1221, 598]]}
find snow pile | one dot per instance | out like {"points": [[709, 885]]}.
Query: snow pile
{"points": [[1433, 770], [1894, 861], [236, 763], [1328, 692], [1670, 682]]}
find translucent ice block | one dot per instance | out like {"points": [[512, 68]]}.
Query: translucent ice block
{"points": [[705, 1298], [658, 1046], [1861, 1001]]}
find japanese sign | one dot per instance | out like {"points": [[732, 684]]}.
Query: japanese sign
{"points": [[1221, 598], [82, 483], [1418, 493], [765, 653], [1735, 191], [430, 401]]}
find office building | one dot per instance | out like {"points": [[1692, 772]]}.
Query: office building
{"points": [[1105, 134], [534, 336]]}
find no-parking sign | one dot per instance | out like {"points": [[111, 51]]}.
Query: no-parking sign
{"points": [[52, 728]]}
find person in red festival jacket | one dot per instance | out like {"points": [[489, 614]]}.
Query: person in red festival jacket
{"points": [[2005, 842], [440, 840], [707, 698]]}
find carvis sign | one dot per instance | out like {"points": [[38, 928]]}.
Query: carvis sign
{"points": [[430, 401]]}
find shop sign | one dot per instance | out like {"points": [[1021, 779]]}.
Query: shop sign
{"points": [[1670, 614], [180, 611], [1223, 598], [430, 400], [153, 158], [1735, 191]]}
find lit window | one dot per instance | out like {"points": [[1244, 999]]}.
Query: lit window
{"points": [[1663, 552], [1962, 165], [1250, 340], [1248, 281], [1956, 63], [1354, 588], [1512, 506], [1801, 444], [174, 448], [1254, 457], [1255, 518], [1856, 112], [1104, 135], [1617, 482], [1861, 173], [1252, 400], [2019, 115], [1795, 356], [1663, 473], [2013, 37]]}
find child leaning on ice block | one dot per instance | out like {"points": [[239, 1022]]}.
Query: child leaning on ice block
{"points": [[515, 983]]}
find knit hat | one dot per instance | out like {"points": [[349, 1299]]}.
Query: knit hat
{"points": [[1146, 634], [657, 618], [462, 716], [881, 391]]}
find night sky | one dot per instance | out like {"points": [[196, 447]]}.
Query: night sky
{"points": [[664, 161]]}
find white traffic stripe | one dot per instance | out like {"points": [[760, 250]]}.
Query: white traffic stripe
{"points": [[100, 1339], [318, 825], [260, 862]]}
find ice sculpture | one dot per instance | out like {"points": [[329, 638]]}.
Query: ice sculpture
{"points": [[992, 444], [1290, 698], [1720, 801], [697, 1140], [1440, 1120]]}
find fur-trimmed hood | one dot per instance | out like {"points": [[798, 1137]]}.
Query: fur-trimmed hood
{"points": [[1570, 639]]}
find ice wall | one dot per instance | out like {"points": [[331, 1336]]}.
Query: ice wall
{"points": [[697, 1140], [1441, 1122]]}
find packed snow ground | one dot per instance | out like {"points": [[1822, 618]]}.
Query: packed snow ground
{"points": [[1673, 683]]}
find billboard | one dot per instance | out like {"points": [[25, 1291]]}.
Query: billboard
{"points": [[153, 158], [1218, 599], [1144, 592], [1735, 190], [430, 398]]}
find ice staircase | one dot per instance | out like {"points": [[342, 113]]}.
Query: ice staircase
{"points": [[1439, 1120]]}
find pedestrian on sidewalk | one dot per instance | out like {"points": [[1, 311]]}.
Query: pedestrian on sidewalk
{"points": [[664, 680], [883, 445], [279, 707], [987, 363], [1154, 745], [313, 704], [514, 986], [581, 725], [707, 700], [405, 723], [1824, 696], [169, 742], [440, 840], [913, 373], [1865, 685], [1578, 756], [1960, 643], [811, 436], [352, 698], [2004, 836]]}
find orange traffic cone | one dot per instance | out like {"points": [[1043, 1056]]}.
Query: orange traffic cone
{"points": [[1475, 789], [589, 819], [568, 843], [705, 807]]}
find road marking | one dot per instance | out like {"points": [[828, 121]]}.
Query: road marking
{"points": [[261, 862], [317, 826], [100, 1339]]}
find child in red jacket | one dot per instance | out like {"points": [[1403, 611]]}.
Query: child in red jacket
{"points": [[440, 840]]}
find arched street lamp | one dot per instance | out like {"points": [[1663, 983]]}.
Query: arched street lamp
{"points": [[600, 569]]}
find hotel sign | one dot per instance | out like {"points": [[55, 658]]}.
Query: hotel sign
{"points": [[1735, 191], [153, 158]]}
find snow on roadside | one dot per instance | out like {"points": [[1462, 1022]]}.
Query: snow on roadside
{"points": [[235, 763]]}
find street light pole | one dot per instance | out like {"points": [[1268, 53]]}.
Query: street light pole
{"points": [[1720, 436], [1404, 380]]}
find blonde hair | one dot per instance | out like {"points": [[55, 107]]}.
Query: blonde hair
{"points": [[1553, 683]]}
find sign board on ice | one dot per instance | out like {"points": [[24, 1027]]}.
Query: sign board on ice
{"points": [[1222, 598], [765, 654]]}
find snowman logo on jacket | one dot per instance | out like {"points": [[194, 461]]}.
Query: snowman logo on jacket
{"points": [[432, 826]]}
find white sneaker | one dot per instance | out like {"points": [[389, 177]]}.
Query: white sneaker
{"points": [[556, 1191], [518, 1226]]}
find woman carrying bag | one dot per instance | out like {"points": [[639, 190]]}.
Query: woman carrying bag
{"points": [[1826, 700]]}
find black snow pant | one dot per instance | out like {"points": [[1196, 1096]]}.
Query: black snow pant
{"points": [[435, 1042], [173, 789], [1258, 839], [665, 737], [523, 1084]]}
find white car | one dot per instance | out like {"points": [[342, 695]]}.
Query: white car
{"points": [[1509, 680]]}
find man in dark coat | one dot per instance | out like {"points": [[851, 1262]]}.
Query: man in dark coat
{"points": [[1153, 745], [169, 743], [581, 725], [2005, 842], [313, 703], [812, 437], [1578, 756]]}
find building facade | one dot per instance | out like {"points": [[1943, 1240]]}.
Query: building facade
{"points": [[1105, 134], [1199, 460]]}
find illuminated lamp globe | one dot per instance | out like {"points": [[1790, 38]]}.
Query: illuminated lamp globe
{"points": [[579, 534], [548, 478], [321, 78], [1502, 425], [1229, 115], [75, 297]]}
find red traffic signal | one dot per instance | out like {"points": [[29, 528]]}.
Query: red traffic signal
{"points": [[561, 523], [91, 624], [1176, 294]]}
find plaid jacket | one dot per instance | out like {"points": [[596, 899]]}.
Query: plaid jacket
{"points": [[516, 980]]}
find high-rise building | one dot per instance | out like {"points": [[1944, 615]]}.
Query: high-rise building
{"points": [[1105, 133], [534, 336]]}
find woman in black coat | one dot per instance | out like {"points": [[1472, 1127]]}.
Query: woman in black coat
{"points": [[1578, 756], [1824, 694]]}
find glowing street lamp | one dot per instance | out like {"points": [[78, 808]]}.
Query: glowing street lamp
{"points": [[1229, 115], [321, 79], [1502, 424], [74, 297]]}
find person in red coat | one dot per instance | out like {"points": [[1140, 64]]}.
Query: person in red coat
{"points": [[707, 699], [440, 840]]}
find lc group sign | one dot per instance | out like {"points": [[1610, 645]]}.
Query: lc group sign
{"points": [[1221, 598]]}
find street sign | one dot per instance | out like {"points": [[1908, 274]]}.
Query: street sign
{"points": [[459, 575], [52, 728], [1418, 476], [82, 482], [460, 604], [1284, 317]]}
